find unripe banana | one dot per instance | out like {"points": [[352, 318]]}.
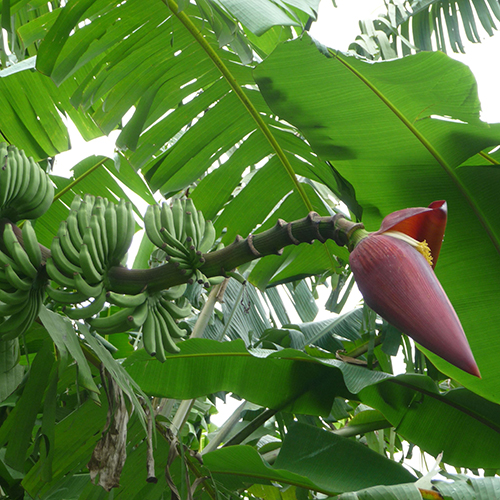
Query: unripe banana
{"points": [[148, 334], [152, 226], [111, 228], [31, 244], [73, 229], [16, 281], [63, 264], [126, 300], [14, 298], [174, 292], [208, 238], [57, 276], [174, 329], [70, 251], [85, 289], [66, 297], [87, 311], [177, 311], [119, 322], [178, 216], [88, 268], [17, 252]]}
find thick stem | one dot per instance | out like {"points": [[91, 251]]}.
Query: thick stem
{"points": [[270, 242]]}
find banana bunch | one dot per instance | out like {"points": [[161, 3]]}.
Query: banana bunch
{"points": [[26, 191], [160, 330], [155, 313], [95, 236], [183, 234], [22, 288]]}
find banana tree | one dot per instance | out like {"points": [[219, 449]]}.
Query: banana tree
{"points": [[242, 158]]}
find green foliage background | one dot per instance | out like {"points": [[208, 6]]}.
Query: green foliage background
{"points": [[235, 101]]}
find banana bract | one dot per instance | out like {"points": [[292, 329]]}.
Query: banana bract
{"points": [[393, 268]]}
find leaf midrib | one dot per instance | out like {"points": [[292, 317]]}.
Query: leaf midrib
{"points": [[427, 145]]}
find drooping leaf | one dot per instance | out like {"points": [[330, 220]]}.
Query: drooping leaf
{"points": [[301, 383]]}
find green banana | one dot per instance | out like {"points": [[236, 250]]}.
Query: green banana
{"points": [[90, 243], [127, 300], [178, 216], [140, 315], [34, 186], [161, 336], [89, 271], [31, 244], [174, 330], [190, 229], [148, 334], [97, 236], [12, 166], [174, 292], [17, 252], [58, 276], [85, 289], [175, 310], [17, 164], [65, 296], [174, 247], [119, 322], [66, 243], [130, 229], [17, 282], [166, 217], [73, 230], [4, 175], [208, 238], [99, 210], [122, 223], [9, 309], [82, 217], [166, 331], [152, 226], [40, 204], [87, 311], [111, 228], [62, 262], [75, 204], [6, 260], [14, 298]]}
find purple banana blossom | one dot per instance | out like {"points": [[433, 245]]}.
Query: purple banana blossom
{"points": [[393, 268]]}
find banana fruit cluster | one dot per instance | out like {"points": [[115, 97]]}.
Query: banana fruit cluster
{"points": [[95, 236], [160, 330], [154, 313], [26, 191], [22, 288], [183, 234]]}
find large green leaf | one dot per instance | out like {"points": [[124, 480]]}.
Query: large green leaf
{"points": [[433, 420], [194, 105], [29, 117], [395, 137], [11, 373], [333, 462], [310, 458], [301, 383], [75, 438]]}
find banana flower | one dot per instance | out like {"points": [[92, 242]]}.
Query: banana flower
{"points": [[394, 270]]}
